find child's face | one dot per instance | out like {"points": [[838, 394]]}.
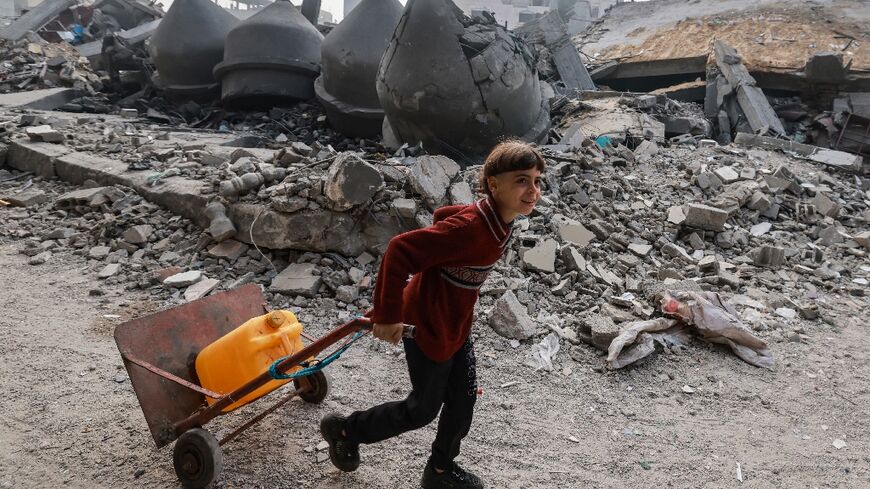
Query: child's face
{"points": [[516, 192]]}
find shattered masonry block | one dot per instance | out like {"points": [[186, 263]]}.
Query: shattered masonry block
{"points": [[228, 250], [44, 134], [461, 194], [542, 257], [200, 289], [759, 201], [351, 181], [824, 205], [297, 279], [406, 208], [183, 279], [603, 329], [705, 217], [430, 177], [510, 319], [863, 239], [238, 186], [769, 256], [138, 234], [727, 174]]}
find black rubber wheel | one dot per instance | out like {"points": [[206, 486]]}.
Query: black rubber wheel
{"points": [[197, 458], [318, 387]]}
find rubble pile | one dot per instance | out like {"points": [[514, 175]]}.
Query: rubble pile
{"points": [[615, 228], [30, 65], [644, 194]]}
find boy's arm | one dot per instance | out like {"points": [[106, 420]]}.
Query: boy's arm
{"points": [[411, 253]]}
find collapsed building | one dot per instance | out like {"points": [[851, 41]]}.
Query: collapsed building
{"points": [[198, 146]]}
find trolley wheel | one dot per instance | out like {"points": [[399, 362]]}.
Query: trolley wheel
{"points": [[318, 387], [197, 458]]}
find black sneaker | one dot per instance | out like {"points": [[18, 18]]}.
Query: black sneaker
{"points": [[343, 453], [454, 478]]}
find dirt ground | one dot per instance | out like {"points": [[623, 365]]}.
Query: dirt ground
{"points": [[71, 419]]}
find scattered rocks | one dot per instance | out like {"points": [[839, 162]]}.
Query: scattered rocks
{"points": [[297, 279], [183, 279]]}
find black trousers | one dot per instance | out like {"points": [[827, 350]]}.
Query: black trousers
{"points": [[451, 384]]}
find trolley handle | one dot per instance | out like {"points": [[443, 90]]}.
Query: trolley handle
{"points": [[409, 331]]}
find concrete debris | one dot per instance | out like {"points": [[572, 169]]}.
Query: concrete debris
{"points": [[220, 226], [705, 217], [542, 256], [44, 134], [351, 181], [297, 279], [431, 176], [200, 289], [183, 279], [511, 319]]}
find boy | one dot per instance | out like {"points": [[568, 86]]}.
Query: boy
{"points": [[449, 261]]}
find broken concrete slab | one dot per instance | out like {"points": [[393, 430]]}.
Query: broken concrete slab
{"points": [[35, 19], [42, 99], [759, 113], [38, 158], [769, 256], [44, 134], [542, 257], [183, 279], [603, 330], [837, 159], [228, 250], [705, 217], [200, 289], [572, 231], [552, 30], [511, 319], [461, 194], [27, 198], [297, 279]]}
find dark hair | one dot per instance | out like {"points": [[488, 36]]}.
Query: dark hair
{"points": [[509, 155]]}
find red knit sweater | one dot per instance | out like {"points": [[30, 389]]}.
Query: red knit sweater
{"points": [[449, 261]]}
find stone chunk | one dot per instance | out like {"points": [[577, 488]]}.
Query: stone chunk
{"points": [[760, 229], [109, 270], [676, 215], [138, 234], [640, 249], [572, 231], [430, 177], [769, 256], [511, 319], [759, 201], [542, 257], [677, 252], [824, 205], [44, 134], [863, 239], [183, 279], [297, 279], [99, 252], [351, 181], [831, 235], [727, 174], [406, 208], [705, 217], [200, 289], [573, 258], [27, 198], [461, 194], [347, 293], [603, 330], [229, 250]]}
